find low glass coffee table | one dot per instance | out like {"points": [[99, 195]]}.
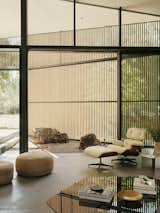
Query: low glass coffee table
{"points": [[67, 201]]}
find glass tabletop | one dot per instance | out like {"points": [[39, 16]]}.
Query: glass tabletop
{"points": [[67, 201]]}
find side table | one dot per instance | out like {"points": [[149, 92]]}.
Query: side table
{"points": [[151, 157]]}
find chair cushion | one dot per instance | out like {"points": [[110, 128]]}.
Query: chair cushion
{"points": [[35, 163], [95, 151], [102, 151], [118, 149], [133, 142], [6, 172], [136, 133]]}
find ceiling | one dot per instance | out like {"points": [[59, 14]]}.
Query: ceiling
{"points": [[149, 6]]}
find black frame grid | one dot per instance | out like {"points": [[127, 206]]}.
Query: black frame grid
{"points": [[23, 80], [25, 48]]}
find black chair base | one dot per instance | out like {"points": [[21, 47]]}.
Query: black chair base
{"points": [[99, 165], [126, 161]]}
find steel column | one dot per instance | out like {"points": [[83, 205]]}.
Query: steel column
{"points": [[119, 98], [23, 80], [120, 26], [74, 21], [119, 65]]}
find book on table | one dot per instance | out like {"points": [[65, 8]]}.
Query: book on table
{"points": [[90, 198], [105, 196], [144, 185]]}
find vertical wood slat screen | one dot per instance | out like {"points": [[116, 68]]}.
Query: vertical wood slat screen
{"points": [[77, 99], [145, 34], [141, 93], [141, 34], [136, 34]]}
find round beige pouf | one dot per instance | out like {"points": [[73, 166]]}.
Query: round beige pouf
{"points": [[34, 164], [6, 172]]}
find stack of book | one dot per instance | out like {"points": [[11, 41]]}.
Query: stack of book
{"points": [[144, 185], [88, 197]]}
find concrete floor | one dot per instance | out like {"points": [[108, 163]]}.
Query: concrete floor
{"points": [[29, 195]]}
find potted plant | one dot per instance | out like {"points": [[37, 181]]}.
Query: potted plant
{"points": [[155, 133]]}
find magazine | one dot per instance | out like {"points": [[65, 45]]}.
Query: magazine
{"points": [[144, 185], [105, 196]]}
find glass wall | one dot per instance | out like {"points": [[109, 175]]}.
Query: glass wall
{"points": [[140, 92], [75, 93], [10, 22], [95, 27], [140, 30], [9, 98], [50, 22], [53, 24]]}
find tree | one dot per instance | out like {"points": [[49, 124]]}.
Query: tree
{"points": [[4, 77], [9, 86], [141, 92]]}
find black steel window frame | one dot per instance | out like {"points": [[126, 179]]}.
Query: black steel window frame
{"points": [[24, 48], [24, 80]]}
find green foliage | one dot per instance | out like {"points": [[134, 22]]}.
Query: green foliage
{"points": [[155, 134], [140, 87], [9, 100], [9, 83], [140, 78], [4, 76]]}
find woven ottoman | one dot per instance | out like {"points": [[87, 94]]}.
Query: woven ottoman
{"points": [[130, 199], [34, 164], [6, 172]]}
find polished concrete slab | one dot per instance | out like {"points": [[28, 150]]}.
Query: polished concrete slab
{"points": [[29, 195]]}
